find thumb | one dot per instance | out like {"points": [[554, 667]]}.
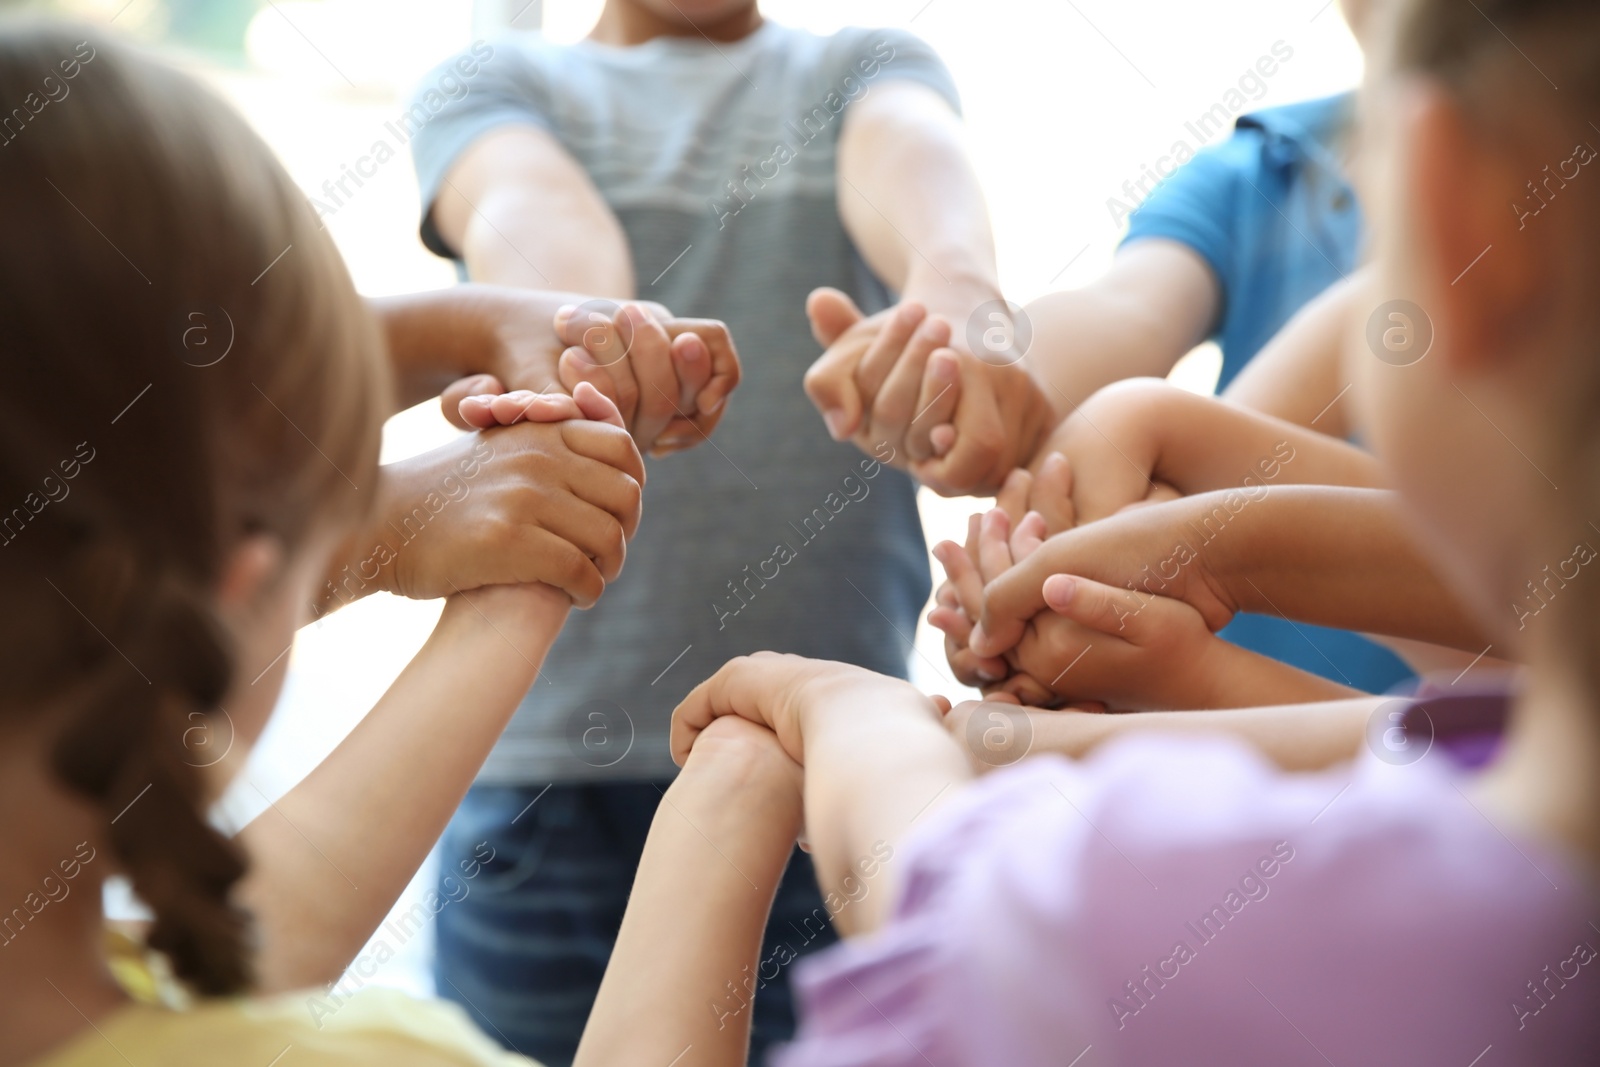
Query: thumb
{"points": [[831, 313], [596, 406], [1100, 607], [458, 390]]}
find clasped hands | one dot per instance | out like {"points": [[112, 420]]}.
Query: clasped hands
{"points": [[549, 489]]}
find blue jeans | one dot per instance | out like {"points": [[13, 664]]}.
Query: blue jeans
{"points": [[524, 950]]}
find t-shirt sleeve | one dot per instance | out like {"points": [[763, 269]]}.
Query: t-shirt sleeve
{"points": [[1019, 900], [480, 88], [1198, 205], [875, 56]]}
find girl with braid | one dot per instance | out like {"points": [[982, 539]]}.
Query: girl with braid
{"points": [[168, 517]]}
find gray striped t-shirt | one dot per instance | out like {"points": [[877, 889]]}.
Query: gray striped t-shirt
{"points": [[719, 161]]}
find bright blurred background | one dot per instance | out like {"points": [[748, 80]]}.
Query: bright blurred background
{"points": [[1065, 101]]}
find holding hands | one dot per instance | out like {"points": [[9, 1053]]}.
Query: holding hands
{"points": [[669, 377], [957, 422]]}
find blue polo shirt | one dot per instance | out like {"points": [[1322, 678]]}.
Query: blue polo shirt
{"points": [[1272, 213]]}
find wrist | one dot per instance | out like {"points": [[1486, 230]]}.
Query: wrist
{"points": [[954, 290]]}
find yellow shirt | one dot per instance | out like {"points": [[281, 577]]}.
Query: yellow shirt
{"points": [[376, 1027]]}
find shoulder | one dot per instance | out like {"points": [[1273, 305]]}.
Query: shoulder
{"points": [[871, 54]]}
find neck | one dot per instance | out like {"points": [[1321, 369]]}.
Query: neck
{"points": [[624, 23], [1546, 783], [53, 976]]}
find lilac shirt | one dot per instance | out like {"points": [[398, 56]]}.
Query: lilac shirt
{"points": [[1173, 900]]}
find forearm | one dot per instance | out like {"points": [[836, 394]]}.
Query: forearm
{"points": [[874, 765], [330, 857], [686, 963], [1203, 445], [1297, 375], [1154, 304], [438, 336], [910, 200], [1336, 557], [1297, 737], [536, 239]]}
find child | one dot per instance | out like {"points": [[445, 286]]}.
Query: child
{"points": [[172, 523], [1173, 900]]}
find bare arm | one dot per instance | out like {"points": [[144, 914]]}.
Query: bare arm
{"points": [[1158, 301], [1328, 555], [520, 211], [331, 856], [911, 202], [1297, 737], [876, 756], [687, 963], [1139, 432], [1296, 376]]}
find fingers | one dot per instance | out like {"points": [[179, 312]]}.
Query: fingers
{"points": [[556, 561], [595, 405], [1013, 496], [726, 369], [936, 406], [1009, 602], [831, 313], [980, 437], [1028, 535], [576, 366], [885, 352], [646, 367], [1111, 611], [963, 574], [605, 444], [1051, 494], [976, 671], [457, 393], [598, 534], [740, 687], [894, 404], [691, 360], [994, 547]]}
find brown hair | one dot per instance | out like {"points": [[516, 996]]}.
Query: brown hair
{"points": [[184, 362], [1528, 73]]}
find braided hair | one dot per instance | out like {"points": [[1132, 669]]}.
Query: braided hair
{"points": [[183, 363]]}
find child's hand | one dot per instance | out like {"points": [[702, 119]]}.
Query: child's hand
{"points": [[739, 752], [1101, 644], [670, 377], [1159, 550], [960, 598], [1112, 446], [487, 410], [552, 502], [780, 692]]}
